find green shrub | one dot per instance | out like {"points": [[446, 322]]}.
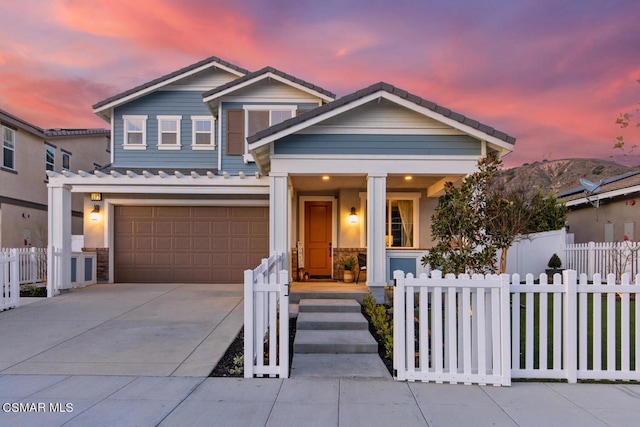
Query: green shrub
{"points": [[555, 262], [381, 320]]}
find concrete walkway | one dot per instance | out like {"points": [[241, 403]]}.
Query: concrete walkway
{"points": [[123, 329], [170, 401]]}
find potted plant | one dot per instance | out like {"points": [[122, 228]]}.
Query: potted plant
{"points": [[348, 263], [555, 265]]}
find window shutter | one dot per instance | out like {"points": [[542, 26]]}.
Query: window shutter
{"points": [[235, 132]]}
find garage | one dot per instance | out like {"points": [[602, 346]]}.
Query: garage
{"points": [[188, 244]]}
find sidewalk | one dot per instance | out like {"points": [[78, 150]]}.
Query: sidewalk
{"points": [[171, 401]]}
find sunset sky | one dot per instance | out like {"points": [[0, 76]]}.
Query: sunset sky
{"points": [[553, 74]]}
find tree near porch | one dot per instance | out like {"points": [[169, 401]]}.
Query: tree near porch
{"points": [[459, 224], [473, 221]]}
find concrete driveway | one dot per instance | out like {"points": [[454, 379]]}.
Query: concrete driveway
{"points": [[123, 329]]}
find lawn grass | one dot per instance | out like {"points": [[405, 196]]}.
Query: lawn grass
{"points": [[604, 329]]}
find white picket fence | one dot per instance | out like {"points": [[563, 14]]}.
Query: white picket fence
{"points": [[459, 329], [604, 258], [584, 330], [9, 280], [566, 330], [32, 264], [266, 319]]}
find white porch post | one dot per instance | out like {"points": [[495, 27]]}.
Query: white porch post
{"points": [[376, 215], [279, 209], [59, 236]]}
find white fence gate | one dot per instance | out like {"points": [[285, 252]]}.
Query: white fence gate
{"points": [[570, 329], [266, 319], [9, 280], [457, 332]]}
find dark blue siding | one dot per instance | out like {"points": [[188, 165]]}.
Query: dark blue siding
{"points": [[184, 103], [378, 144]]}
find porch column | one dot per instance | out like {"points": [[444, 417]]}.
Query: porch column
{"points": [[279, 209], [376, 216], [59, 237]]}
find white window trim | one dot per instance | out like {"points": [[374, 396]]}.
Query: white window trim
{"points": [[127, 146], [212, 144], [62, 156], [46, 163], [273, 107], [177, 120], [415, 196], [13, 149]]}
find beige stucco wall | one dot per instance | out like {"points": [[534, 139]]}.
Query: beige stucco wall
{"points": [[28, 184], [349, 236], [587, 224]]}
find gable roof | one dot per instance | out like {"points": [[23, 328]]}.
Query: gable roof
{"points": [[612, 187], [362, 94], [154, 84], [267, 72], [10, 119]]}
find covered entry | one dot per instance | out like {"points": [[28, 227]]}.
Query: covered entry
{"points": [[191, 244]]}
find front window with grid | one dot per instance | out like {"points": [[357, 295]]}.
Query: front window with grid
{"points": [[202, 136], [169, 132], [8, 148], [135, 132]]}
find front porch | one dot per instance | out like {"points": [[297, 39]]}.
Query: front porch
{"points": [[382, 220]]}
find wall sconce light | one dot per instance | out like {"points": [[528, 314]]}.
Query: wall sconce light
{"points": [[95, 214], [96, 197], [353, 217]]}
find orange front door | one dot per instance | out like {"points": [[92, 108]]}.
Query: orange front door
{"points": [[317, 238]]}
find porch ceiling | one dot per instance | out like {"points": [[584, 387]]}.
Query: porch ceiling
{"points": [[335, 182]]}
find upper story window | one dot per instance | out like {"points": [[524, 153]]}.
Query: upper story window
{"points": [[135, 132], [8, 148], [169, 132], [242, 123], [49, 158], [66, 160], [202, 133]]}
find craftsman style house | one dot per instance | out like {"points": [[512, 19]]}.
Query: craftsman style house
{"points": [[214, 167], [27, 151]]}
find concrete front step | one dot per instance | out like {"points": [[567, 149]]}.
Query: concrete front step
{"points": [[338, 366], [296, 297], [333, 341], [332, 321], [329, 306]]}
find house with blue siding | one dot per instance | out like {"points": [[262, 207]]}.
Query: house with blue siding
{"points": [[214, 167]]}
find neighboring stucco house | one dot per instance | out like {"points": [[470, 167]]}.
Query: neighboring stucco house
{"points": [[27, 151], [214, 167], [609, 215]]}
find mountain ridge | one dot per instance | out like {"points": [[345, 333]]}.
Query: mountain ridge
{"points": [[556, 176]]}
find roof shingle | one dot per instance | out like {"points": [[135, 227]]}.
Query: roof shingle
{"points": [[382, 86], [211, 59], [266, 70]]}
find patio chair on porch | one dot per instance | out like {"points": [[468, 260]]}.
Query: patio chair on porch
{"points": [[362, 265]]}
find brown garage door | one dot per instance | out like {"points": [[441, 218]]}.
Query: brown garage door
{"points": [[203, 244]]}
